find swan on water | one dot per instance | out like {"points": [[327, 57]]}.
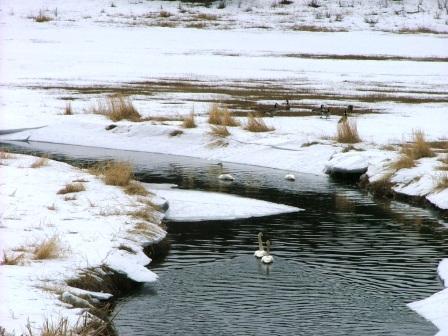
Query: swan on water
{"points": [[267, 259], [290, 177], [260, 252]]}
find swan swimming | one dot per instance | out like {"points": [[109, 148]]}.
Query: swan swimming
{"points": [[290, 177], [260, 252], [226, 177], [267, 259]]}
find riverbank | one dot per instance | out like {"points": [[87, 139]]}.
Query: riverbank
{"points": [[70, 242]]}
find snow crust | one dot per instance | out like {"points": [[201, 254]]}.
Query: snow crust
{"points": [[435, 307], [196, 206]]}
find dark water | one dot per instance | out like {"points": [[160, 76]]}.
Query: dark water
{"points": [[347, 265]]}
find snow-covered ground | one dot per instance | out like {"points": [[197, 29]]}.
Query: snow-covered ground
{"points": [[171, 57], [434, 308]]}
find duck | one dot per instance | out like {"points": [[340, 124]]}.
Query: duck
{"points": [[287, 106], [260, 252], [267, 259], [290, 177], [322, 110]]}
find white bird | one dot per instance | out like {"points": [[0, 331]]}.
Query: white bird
{"points": [[260, 252], [290, 177], [226, 177], [267, 259]]}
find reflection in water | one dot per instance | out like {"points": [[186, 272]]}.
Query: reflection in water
{"points": [[345, 266]]}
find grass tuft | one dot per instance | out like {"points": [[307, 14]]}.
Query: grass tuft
{"points": [[40, 162], [48, 249], [41, 17], [135, 188], [219, 131], [347, 132], [221, 116], [255, 124], [16, 259], [419, 148], [404, 161], [442, 182], [189, 121], [114, 172], [117, 108], [71, 188]]}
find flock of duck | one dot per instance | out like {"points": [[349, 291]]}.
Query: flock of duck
{"points": [[266, 258], [323, 111]]}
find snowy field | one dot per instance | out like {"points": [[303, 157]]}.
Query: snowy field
{"points": [[388, 60]]}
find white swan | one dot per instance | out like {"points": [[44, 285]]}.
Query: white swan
{"points": [[226, 177], [290, 177], [260, 252], [267, 259]]}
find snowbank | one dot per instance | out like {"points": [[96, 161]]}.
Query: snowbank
{"points": [[196, 206], [435, 308], [89, 228]]}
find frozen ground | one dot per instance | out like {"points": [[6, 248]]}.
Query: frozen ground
{"points": [[171, 58], [434, 308]]}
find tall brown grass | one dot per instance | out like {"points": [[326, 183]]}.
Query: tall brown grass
{"points": [[255, 124], [48, 249], [115, 173], [347, 132], [189, 121], [404, 161], [419, 147], [117, 108], [71, 188], [135, 188], [219, 131], [218, 115], [68, 109]]}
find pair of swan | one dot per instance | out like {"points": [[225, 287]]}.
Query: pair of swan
{"points": [[266, 258]]}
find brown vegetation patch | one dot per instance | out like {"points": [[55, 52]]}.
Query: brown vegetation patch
{"points": [[41, 17], [419, 30], [39, 162], [255, 124], [442, 182], [189, 121], [135, 188], [117, 108], [12, 259], [314, 28], [71, 188], [146, 213], [347, 132], [114, 173], [204, 16], [219, 131], [48, 249], [419, 148], [404, 161]]}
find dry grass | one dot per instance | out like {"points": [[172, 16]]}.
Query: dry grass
{"points": [[419, 148], [114, 172], [70, 198], [48, 249], [383, 186], [197, 25], [189, 121], [68, 109], [41, 17], [255, 124], [347, 132], [71, 188], [12, 259], [404, 161], [442, 182], [39, 162], [117, 108], [219, 131], [146, 213], [208, 17], [126, 248], [135, 188], [218, 115], [5, 155], [419, 30], [313, 28], [164, 14]]}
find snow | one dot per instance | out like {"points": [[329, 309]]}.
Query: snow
{"points": [[89, 230], [435, 307], [196, 206]]}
